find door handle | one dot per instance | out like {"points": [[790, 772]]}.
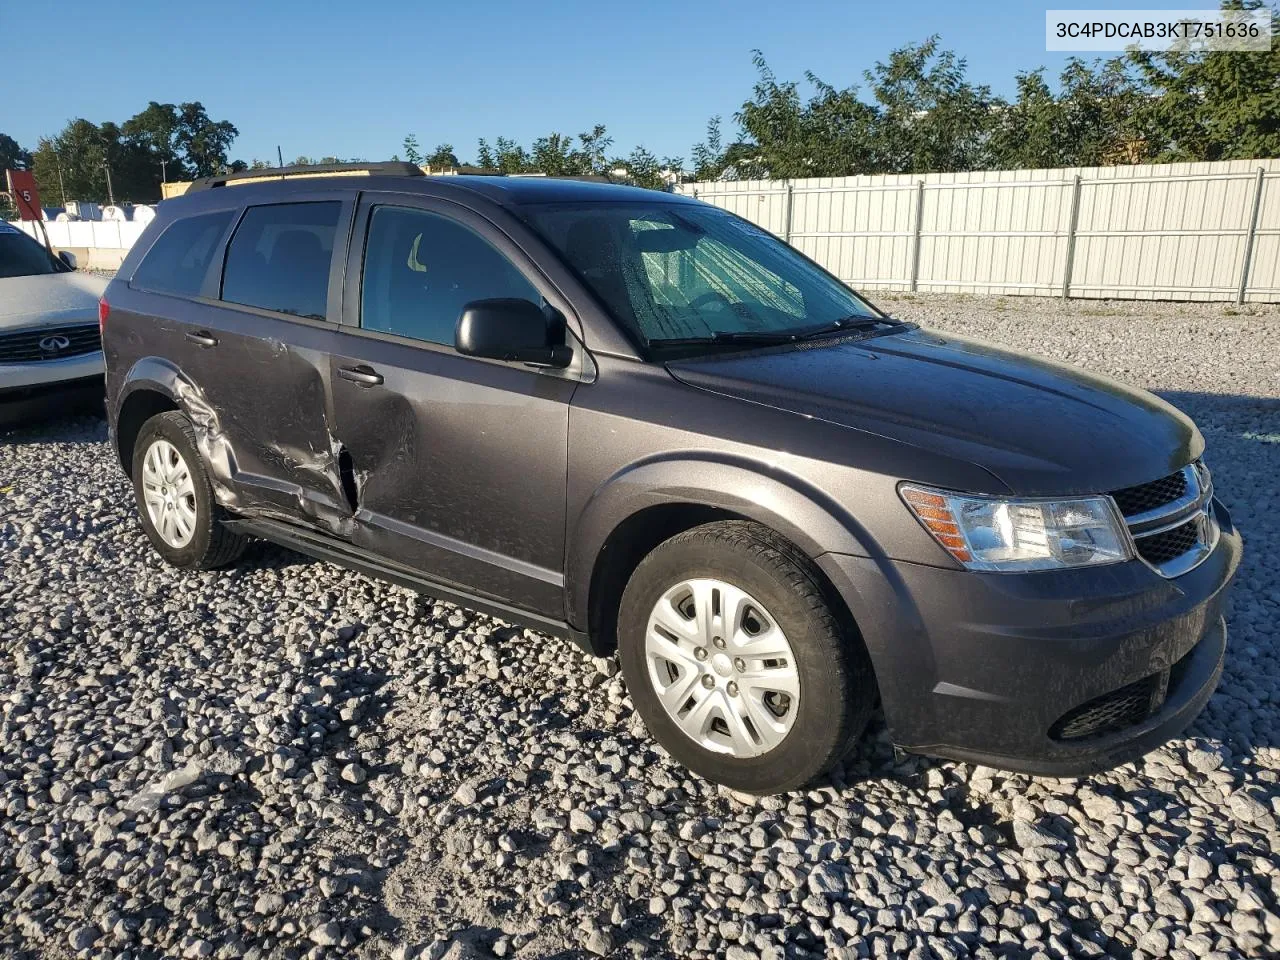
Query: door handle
{"points": [[203, 338], [362, 375]]}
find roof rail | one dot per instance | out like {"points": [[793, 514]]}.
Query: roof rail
{"points": [[385, 168]]}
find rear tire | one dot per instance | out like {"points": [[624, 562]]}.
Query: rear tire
{"points": [[174, 497], [777, 723]]}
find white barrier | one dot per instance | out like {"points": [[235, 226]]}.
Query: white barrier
{"points": [[102, 234]]}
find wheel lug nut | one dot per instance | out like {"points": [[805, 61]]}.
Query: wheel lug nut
{"points": [[708, 681], [739, 664], [733, 689], [700, 653], [719, 643]]}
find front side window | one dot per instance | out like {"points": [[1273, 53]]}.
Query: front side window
{"points": [[178, 261], [279, 258], [679, 271], [421, 269]]}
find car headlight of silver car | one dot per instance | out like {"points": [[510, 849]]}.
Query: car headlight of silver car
{"points": [[1010, 535]]}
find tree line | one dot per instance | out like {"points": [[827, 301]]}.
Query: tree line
{"points": [[125, 161], [918, 112]]}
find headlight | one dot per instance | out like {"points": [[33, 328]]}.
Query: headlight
{"points": [[1006, 535]]}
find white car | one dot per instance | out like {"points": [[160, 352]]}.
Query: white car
{"points": [[50, 344]]}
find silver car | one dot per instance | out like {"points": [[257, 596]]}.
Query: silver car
{"points": [[50, 343]]}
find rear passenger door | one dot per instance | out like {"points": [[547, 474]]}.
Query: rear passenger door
{"points": [[256, 345], [459, 463]]}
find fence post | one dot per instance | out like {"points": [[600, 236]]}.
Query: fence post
{"points": [[786, 212], [1248, 240], [915, 238], [1071, 238]]}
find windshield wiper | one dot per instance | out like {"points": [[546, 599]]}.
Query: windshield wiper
{"points": [[853, 322]]}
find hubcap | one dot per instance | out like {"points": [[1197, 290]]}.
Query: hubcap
{"points": [[169, 493], [722, 668]]}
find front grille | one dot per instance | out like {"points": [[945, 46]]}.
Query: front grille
{"points": [[24, 346], [1111, 712], [1148, 496], [1159, 548]]}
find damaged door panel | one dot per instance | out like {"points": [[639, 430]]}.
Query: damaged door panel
{"points": [[260, 359], [268, 399]]}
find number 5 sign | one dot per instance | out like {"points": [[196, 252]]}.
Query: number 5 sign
{"points": [[25, 193]]}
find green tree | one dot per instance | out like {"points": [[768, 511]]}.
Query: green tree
{"points": [[774, 118], [504, 156], [592, 149], [204, 141], [12, 156], [442, 156], [931, 118], [555, 156], [70, 165], [1211, 105], [641, 168], [412, 152], [1092, 120], [831, 134], [155, 131]]}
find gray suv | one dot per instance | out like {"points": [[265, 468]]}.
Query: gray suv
{"points": [[642, 423]]}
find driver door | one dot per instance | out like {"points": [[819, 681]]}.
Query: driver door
{"points": [[458, 463]]}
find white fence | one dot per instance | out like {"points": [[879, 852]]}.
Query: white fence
{"points": [[1187, 231], [100, 244]]}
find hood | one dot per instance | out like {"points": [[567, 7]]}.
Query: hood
{"points": [[1040, 427], [49, 300]]}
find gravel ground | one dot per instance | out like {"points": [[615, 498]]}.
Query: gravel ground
{"points": [[287, 759]]}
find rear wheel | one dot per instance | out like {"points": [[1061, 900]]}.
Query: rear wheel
{"points": [[736, 661], [175, 500]]}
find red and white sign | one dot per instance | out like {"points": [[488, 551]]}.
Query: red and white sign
{"points": [[25, 193]]}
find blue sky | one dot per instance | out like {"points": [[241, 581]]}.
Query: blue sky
{"points": [[351, 78]]}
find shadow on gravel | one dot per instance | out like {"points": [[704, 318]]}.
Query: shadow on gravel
{"points": [[85, 428]]}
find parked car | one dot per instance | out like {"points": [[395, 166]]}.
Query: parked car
{"points": [[50, 352], [642, 423]]}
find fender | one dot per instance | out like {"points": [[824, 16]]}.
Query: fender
{"points": [[805, 515], [163, 377]]}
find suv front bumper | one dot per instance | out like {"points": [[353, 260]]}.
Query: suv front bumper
{"points": [[1057, 673]]}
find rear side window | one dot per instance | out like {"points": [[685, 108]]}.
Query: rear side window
{"points": [[178, 261], [421, 269], [279, 258]]}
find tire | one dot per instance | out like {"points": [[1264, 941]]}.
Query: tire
{"points": [[756, 568], [201, 542]]}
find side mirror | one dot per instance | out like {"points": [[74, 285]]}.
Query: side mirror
{"points": [[68, 258], [512, 330]]}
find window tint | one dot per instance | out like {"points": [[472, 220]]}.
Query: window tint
{"points": [[421, 268], [178, 261], [279, 258]]}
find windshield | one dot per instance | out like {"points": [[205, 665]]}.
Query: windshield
{"points": [[20, 256], [676, 272]]}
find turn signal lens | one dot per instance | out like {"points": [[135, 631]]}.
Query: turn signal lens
{"points": [[988, 533], [932, 510], [104, 311]]}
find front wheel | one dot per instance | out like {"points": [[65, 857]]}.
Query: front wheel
{"points": [[175, 500], [736, 661]]}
